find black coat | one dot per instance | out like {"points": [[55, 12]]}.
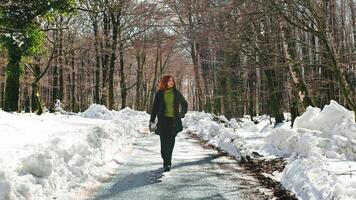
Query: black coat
{"points": [[159, 109]]}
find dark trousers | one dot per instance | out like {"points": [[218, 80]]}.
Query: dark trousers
{"points": [[167, 138]]}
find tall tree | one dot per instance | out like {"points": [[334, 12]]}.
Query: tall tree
{"points": [[24, 38], [317, 18]]}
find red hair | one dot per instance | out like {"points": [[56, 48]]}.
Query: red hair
{"points": [[163, 85]]}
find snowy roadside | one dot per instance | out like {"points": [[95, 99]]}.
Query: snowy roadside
{"points": [[320, 150], [56, 156]]}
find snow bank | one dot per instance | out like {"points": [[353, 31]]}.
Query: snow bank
{"points": [[96, 111], [331, 119], [240, 138], [321, 148], [330, 133], [58, 156], [318, 139]]}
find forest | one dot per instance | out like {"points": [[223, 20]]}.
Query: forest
{"points": [[230, 57]]}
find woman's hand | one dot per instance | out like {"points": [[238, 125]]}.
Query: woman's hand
{"points": [[181, 115], [152, 126]]}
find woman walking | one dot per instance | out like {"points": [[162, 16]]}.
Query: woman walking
{"points": [[166, 108]]}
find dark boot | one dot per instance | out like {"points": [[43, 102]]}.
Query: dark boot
{"points": [[167, 168]]}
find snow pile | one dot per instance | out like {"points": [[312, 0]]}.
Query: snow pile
{"points": [[96, 111], [240, 138], [321, 148], [330, 133], [330, 120], [264, 123], [59, 156], [317, 145], [130, 114]]}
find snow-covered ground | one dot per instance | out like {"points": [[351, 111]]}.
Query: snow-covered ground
{"points": [[55, 156], [320, 149]]}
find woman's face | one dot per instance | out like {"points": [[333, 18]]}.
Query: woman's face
{"points": [[170, 83]]}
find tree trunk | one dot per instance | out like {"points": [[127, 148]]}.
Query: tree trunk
{"points": [[73, 85], [60, 63], [348, 90], [294, 70], [37, 99], [122, 76], [272, 87], [105, 57], [115, 18], [258, 85], [154, 81], [251, 80], [274, 101], [195, 59], [141, 59], [36, 104], [97, 63], [12, 84], [2, 93], [353, 21], [55, 70]]}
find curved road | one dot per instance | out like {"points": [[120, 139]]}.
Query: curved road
{"points": [[197, 173]]}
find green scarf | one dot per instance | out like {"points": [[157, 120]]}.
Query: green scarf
{"points": [[168, 101]]}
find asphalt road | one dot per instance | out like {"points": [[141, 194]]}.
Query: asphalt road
{"points": [[197, 173]]}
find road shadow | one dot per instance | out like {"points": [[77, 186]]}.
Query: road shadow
{"points": [[205, 160], [131, 181], [141, 179]]}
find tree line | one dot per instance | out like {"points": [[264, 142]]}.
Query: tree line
{"points": [[229, 57]]}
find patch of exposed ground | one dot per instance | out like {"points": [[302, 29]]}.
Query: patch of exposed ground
{"points": [[257, 168]]}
